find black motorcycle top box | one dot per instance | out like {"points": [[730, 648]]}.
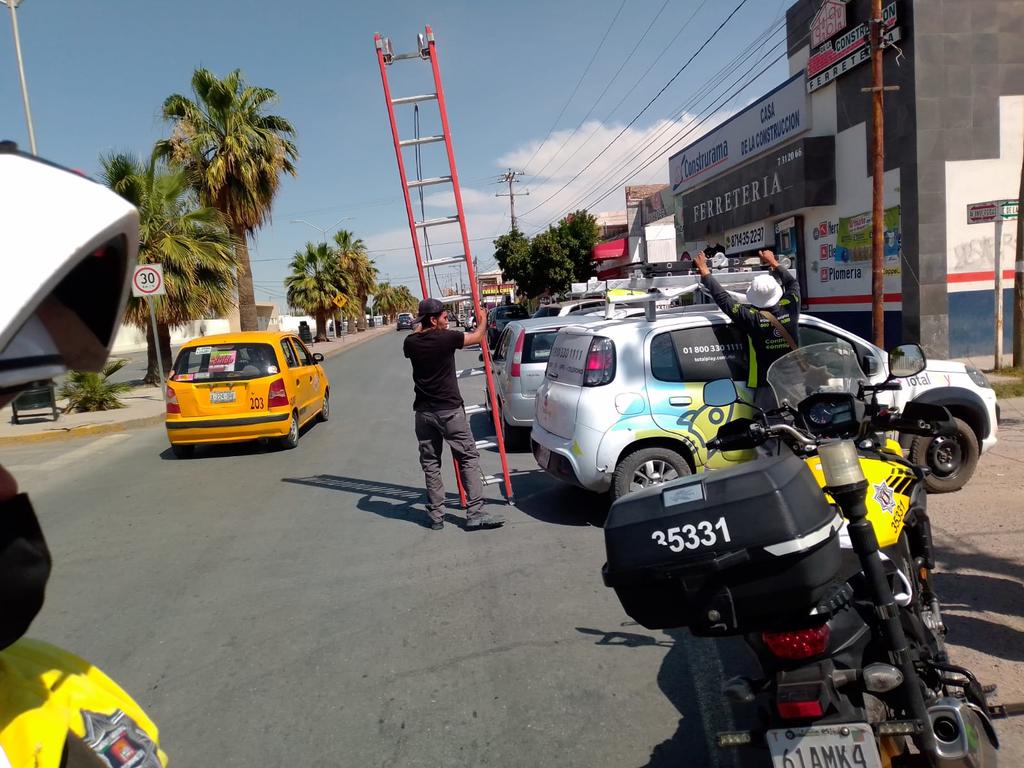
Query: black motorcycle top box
{"points": [[730, 551]]}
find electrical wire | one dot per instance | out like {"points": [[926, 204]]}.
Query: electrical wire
{"points": [[628, 92], [648, 105], [423, 208], [578, 83]]}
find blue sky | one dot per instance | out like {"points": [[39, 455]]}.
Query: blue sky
{"points": [[99, 70]]}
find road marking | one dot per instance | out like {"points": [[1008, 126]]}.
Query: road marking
{"points": [[95, 446]]}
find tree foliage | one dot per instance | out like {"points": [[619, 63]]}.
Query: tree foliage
{"points": [[578, 233], [234, 154], [359, 270], [89, 391], [316, 279], [389, 300], [552, 260]]}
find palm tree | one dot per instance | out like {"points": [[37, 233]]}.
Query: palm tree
{"points": [[389, 300], [190, 241], [235, 154], [359, 270], [314, 282]]}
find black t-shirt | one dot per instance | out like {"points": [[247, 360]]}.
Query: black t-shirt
{"points": [[433, 369]]}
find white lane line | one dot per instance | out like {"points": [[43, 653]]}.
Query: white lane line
{"points": [[96, 446]]}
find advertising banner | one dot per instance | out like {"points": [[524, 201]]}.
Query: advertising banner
{"points": [[799, 175], [839, 256], [778, 117]]}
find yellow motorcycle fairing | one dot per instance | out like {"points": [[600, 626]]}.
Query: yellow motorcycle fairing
{"points": [[890, 485], [47, 693]]}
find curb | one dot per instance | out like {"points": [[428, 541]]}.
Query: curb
{"points": [[91, 430]]}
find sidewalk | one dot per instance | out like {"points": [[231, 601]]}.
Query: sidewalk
{"points": [[144, 406]]}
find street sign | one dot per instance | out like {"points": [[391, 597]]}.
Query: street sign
{"points": [[148, 280], [993, 210], [340, 301]]}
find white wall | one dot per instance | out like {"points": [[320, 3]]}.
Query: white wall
{"points": [[970, 248], [131, 339]]}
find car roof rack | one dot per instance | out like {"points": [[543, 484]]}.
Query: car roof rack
{"points": [[651, 291]]}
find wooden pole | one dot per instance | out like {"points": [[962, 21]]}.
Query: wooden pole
{"points": [[878, 174]]}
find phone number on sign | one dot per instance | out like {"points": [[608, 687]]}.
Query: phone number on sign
{"points": [[711, 348], [753, 236]]}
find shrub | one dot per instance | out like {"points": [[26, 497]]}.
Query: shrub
{"points": [[88, 391]]}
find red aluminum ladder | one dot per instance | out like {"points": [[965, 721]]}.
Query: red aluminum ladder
{"points": [[427, 51]]}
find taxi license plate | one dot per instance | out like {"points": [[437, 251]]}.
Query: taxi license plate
{"points": [[222, 397], [543, 456], [849, 745]]}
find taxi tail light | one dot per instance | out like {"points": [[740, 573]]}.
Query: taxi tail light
{"points": [[277, 396], [172, 401], [600, 367], [517, 355]]}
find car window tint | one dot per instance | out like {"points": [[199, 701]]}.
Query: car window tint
{"points": [[289, 353], [304, 357], [537, 346], [501, 349], [547, 311], [664, 364], [711, 352], [811, 335]]}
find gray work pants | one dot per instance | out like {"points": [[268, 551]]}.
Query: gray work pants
{"points": [[432, 431]]}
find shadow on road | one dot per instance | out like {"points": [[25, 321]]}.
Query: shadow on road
{"points": [[691, 677], [550, 501]]}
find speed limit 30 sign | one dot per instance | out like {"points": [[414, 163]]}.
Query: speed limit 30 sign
{"points": [[148, 280]]}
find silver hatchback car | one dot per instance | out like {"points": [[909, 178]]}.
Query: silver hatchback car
{"points": [[519, 359]]}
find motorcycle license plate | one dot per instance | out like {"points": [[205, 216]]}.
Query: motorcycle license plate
{"points": [[223, 397], [848, 745]]}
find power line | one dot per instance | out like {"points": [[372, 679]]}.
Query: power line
{"points": [[578, 83], [649, 103], [628, 90], [510, 179]]}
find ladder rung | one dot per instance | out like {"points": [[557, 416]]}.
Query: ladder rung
{"points": [[427, 182], [471, 409], [436, 222], [493, 479], [486, 444], [414, 99], [420, 140], [445, 261], [466, 373], [455, 299]]}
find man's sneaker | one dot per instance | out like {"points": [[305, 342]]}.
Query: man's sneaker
{"points": [[486, 520], [436, 525]]}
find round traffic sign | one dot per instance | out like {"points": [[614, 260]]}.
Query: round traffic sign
{"points": [[148, 280]]}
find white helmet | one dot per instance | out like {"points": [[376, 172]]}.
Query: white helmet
{"points": [[69, 247]]}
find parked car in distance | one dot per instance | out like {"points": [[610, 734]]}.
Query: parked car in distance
{"points": [[621, 407], [519, 360], [569, 307], [244, 386], [404, 322], [498, 317]]}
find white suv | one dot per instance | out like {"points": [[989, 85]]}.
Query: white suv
{"points": [[621, 406]]}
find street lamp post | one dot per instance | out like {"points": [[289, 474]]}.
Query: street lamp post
{"points": [[321, 230], [13, 5]]}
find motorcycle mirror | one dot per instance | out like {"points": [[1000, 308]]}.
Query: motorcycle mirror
{"points": [[906, 360], [720, 392]]}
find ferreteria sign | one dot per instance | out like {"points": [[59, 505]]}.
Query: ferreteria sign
{"points": [[776, 118], [799, 175], [835, 57]]}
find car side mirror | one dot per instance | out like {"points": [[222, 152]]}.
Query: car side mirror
{"points": [[317, 357], [906, 360], [869, 364], [720, 392]]}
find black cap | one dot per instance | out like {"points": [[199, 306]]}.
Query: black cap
{"points": [[428, 307]]}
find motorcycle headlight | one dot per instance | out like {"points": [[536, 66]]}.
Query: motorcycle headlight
{"points": [[978, 377]]}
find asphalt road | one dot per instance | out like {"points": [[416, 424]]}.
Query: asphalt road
{"points": [[272, 607]]}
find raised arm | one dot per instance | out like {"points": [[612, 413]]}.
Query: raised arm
{"points": [[790, 285], [739, 313]]}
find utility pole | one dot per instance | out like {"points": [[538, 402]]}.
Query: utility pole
{"points": [[510, 179], [878, 177]]}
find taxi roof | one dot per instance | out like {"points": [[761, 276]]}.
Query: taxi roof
{"points": [[239, 337]]}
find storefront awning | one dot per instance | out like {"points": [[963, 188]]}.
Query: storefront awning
{"points": [[613, 249]]}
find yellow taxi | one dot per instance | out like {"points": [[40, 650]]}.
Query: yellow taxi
{"points": [[244, 386]]}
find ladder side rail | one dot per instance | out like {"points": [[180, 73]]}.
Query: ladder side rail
{"points": [[474, 288], [401, 165]]}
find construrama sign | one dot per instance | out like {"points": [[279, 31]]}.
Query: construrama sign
{"points": [[774, 119], [799, 175]]}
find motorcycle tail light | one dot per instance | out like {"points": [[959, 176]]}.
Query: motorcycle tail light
{"points": [[799, 644], [278, 395], [172, 401], [801, 700]]}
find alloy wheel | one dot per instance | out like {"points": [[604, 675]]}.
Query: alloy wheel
{"points": [[653, 472]]}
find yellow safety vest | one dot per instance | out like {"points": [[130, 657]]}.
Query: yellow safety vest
{"points": [[46, 692]]}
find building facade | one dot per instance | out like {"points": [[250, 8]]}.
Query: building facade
{"points": [[793, 170]]}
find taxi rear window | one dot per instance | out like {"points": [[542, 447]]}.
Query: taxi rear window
{"points": [[225, 362]]}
